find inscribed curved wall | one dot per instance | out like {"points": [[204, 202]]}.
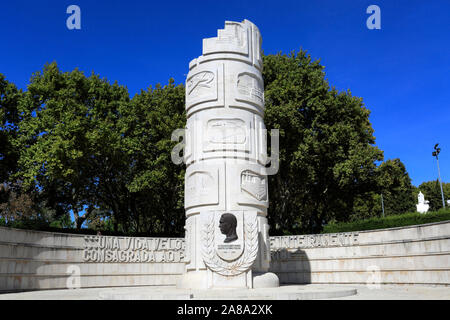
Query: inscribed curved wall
{"points": [[407, 255], [33, 260]]}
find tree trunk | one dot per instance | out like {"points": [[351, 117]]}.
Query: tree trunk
{"points": [[79, 222]]}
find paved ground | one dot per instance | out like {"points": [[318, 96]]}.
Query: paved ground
{"points": [[399, 292], [288, 292]]}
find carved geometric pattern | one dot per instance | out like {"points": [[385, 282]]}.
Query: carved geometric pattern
{"points": [[250, 88], [254, 185]]}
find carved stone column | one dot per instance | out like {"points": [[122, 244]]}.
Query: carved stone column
{"points": [[226, 195]]}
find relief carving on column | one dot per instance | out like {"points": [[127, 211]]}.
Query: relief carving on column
{"points": [[201, 87], [227, 131], [199, 83], [254, 185], [202, 187], [218, 255], [250, 88]]}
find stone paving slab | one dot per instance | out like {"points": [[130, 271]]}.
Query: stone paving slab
{"points": [[399, 292], [291, 292], [288, 292]]}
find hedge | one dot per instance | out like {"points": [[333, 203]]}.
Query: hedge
{"points": [[401, 220], [42, 226]]}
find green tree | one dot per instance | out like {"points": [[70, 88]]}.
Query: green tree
{"points": [[154, 115], [91, 150], [9, 116], [367, 205], [18, 206], [68, 122], [87, 148], [396, 187], [27, 209], [394, 183], [327, 152]]}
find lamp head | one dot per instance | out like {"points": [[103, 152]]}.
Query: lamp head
{"points": [[438, 150]]}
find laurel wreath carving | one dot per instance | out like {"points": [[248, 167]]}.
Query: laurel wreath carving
{"points": [[243, 263]]}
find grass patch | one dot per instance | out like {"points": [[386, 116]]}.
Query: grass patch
{"points": [[401, 220]]}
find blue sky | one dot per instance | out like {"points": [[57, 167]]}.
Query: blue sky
{"points": [[401, 71]]}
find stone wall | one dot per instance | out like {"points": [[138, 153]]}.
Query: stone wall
{"points": [[407, 255], [31, 260]]}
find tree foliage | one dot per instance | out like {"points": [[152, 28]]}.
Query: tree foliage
{"points": [[394, 191], [327, 152], [9, 117], [82, 146], [69, 121], [92, 150]]}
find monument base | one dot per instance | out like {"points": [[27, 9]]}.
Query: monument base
{"points": [[285, 292], [193, 280], [247, 280], [265, 280]]}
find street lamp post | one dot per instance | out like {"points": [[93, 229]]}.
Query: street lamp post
{"points": [[436, 154]]}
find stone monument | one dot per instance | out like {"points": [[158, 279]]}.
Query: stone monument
{"points": [[423, 205], [226, 195]]}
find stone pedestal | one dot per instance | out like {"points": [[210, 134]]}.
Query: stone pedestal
{"points": [[226, 191]]}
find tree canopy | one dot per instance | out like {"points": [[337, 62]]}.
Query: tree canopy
{"points": [[80, 145], [88, 149], [9, 117], [327, 153]]}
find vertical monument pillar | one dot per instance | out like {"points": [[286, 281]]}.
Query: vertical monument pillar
{"points": [[226, 191]]}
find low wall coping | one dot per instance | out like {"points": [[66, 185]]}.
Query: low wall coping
{"points": [[363, 231]]}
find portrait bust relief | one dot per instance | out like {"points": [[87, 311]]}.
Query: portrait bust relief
{"points": [[227, 225]]}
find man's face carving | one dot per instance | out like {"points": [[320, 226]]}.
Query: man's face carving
{"points": [[227, 225]]}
